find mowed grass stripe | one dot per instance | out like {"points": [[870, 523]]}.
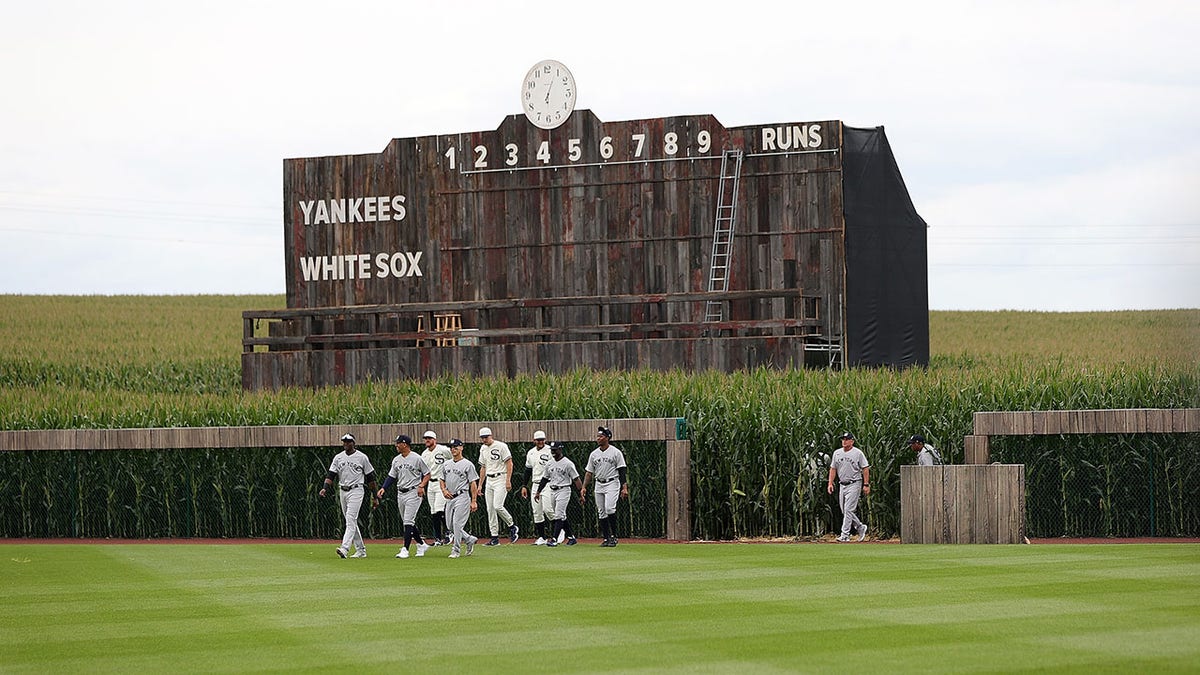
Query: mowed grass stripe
{"points": [[668, 608]]}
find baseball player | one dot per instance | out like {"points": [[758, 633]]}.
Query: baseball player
{"points": [[560, 474], [926, 454], [410, 475], [460, 487], [435, 455], [536, 460], [495, 463], [850, 468], [351, 469], [607, 465]]}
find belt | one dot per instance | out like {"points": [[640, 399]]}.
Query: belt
{"points": [[456, 494], [559, 487], [602, 482], [495, 475], [347, 488], [406, 490], [851, 482]]}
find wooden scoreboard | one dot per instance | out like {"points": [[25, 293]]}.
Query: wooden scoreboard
{"points": [[671, 242]]}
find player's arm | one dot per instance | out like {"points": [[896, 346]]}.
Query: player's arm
{"points": [[445, 492], [474, 495], [587, 478], [424, 483], [541, 486], [508, 469], [329, 478], [621, 471], [832, 475], [387, 483], [372, 484], [528, 480], [578, 485], [866, 480]]}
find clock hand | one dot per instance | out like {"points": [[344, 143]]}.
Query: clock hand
{"points": [[548, 90]]}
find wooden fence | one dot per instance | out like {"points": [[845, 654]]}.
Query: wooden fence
{"points": [[1053, 422], [966, 504], [670, 430]]}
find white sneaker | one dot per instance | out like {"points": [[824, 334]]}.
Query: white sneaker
{"points": [[541, 541], [471, 547], [562, 536], [863, 534], [421, 548], [403, 553], [341, 552], [360, 554], [843, 537], [453, 555]]}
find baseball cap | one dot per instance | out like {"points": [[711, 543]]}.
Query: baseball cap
{"points": [[403, 439], [348, 437], [604, 431], [455, 443], [557, 445], [539, 435], [430, 434], [916, 438], [847, 435], [484, 431]]}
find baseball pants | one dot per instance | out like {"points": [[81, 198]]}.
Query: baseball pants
{"points": [[559, 500], [408, 503], [848, 499], [494, 493], [433, 495], [606, 496], [542, 506], [457, 512], [351, 501]]}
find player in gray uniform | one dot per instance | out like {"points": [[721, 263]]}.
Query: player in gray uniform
{"points": [[460, 485], [607, 465], [435, 455], [410, 475], [560, 475], [926, 454], [536, 460], [850, 468], [351, 469]]}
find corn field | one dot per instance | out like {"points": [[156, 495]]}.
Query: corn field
{"points": [[760, 438]]}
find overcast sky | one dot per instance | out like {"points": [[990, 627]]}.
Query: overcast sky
{"points": [[1053, 147]]}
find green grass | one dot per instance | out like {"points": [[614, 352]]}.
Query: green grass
{"points": [[653, 608]]}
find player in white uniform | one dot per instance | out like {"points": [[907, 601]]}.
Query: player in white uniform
{"points": [[536, 460], [849, 466], [435, 455], [351, 469], [410, 475], [460, 486], [560, 475], [495, 467], [927, 455], [607, 465]]}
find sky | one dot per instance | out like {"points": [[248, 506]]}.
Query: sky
{"points": [[1052, 147]]}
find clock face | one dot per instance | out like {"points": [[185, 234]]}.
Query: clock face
{"points": [[548, 94]]}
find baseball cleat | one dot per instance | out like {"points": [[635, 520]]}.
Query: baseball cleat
{"points": [[863, 535], [512, 534], [561, 537], [438, 542], [606, 543], [494, 541], [421, 548], [471, 547], [341, 552], [541, 541], [359, 554], [612, 542], [571, 541], [453, 554], [843, 537], [551, 543], [403, 553]]}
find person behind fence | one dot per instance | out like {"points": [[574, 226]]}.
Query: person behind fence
{"points": [[460, 486], [351, 469], [560, 475], [607, 465], [849, 467], [926, 454], [536, 460], [496, 467], [435, 455], [410, 475]]}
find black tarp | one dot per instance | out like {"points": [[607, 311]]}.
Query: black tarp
{"points": [[887, 275]]}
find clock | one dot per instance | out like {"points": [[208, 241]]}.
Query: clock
{"points": [[548, 94]]}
